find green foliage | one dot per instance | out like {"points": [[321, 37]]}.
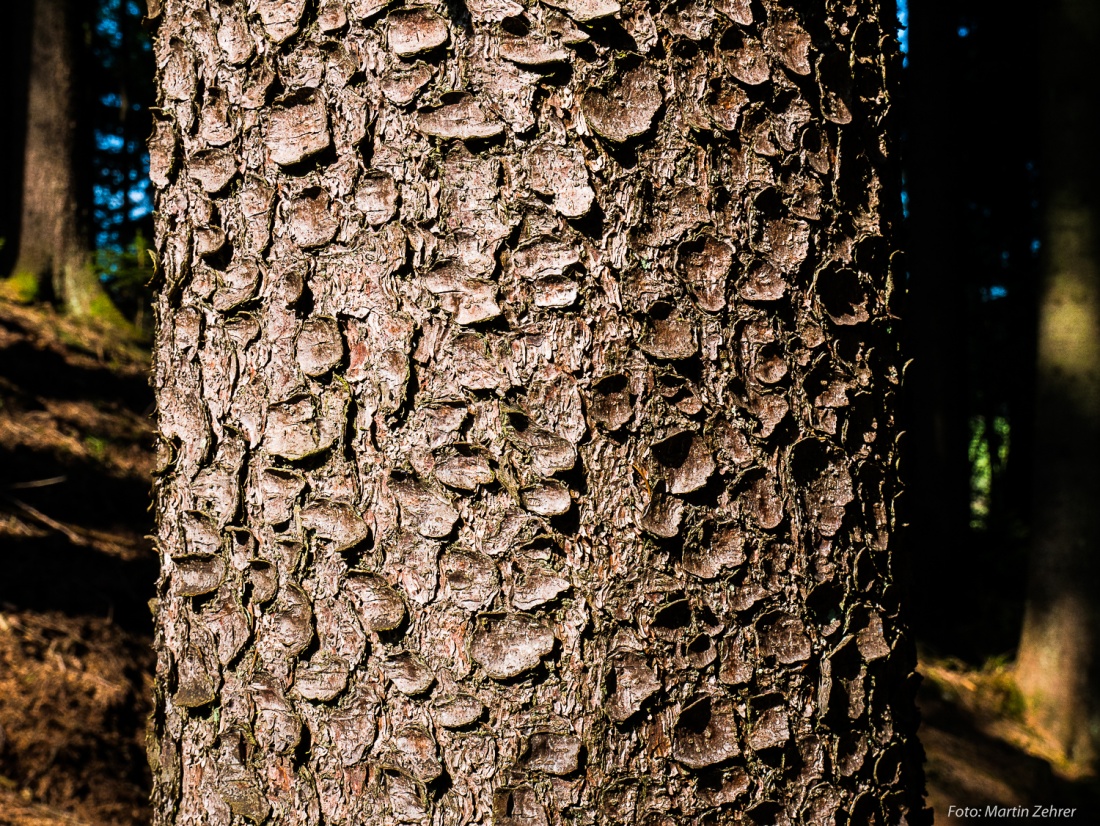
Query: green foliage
{"points": [[96, 446], [127, 273], [103, 310], [1001, 692], [23, 287], [989, 450], [989, 691]]}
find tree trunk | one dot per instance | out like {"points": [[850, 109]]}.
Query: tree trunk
{"points": [[526, 383], [1057, 665], [54, 246]]}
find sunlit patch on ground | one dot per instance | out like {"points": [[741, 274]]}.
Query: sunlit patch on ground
{"points": [[981, 754]]}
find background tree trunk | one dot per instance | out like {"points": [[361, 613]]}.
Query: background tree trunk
{"points": [[526, 382], [54, 245], [1057, 664]]}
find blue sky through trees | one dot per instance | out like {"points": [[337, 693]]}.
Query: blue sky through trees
{"points": [[122, 194]]}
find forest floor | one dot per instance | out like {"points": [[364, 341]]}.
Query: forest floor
{"points": [[980, 755], [79, 571]]}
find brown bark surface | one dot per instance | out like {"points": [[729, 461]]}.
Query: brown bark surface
{"points": [[526, 382], [54, 248]]}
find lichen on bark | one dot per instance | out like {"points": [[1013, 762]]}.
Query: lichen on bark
{"points": [[552, 388]]}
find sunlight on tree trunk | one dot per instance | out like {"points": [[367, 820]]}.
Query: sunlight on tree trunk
{"points": [[1057, 649], [526, 379], [1057, 661]]}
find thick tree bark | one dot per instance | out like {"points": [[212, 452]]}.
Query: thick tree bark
{"points": [[54, 244], [526, 379], [1057, 665]]}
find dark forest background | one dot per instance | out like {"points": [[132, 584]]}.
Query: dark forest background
{"points": [[969, 125], [972, 172], [972, 237]]}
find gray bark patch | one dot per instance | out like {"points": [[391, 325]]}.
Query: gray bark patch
{"points": [[625, 110], [461, 117], [584, 11], [381, 606], [281, 18], [457, 711], [507, 645], [414, 30], [298, 129]]}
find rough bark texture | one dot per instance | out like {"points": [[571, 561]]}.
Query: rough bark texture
{"points": [[526, 386], [1057, 665], [54, 246]]}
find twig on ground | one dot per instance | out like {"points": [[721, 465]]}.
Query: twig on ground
{"points": [[38, 483], [60, 527]]}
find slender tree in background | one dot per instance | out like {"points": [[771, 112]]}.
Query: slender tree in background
{"points": [[1057, 664], [526, 379], [55, 253]]}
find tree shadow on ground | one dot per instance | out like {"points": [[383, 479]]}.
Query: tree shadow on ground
{"points": [[44, 372], [52, 574], [981, 757], [75, 490]]}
